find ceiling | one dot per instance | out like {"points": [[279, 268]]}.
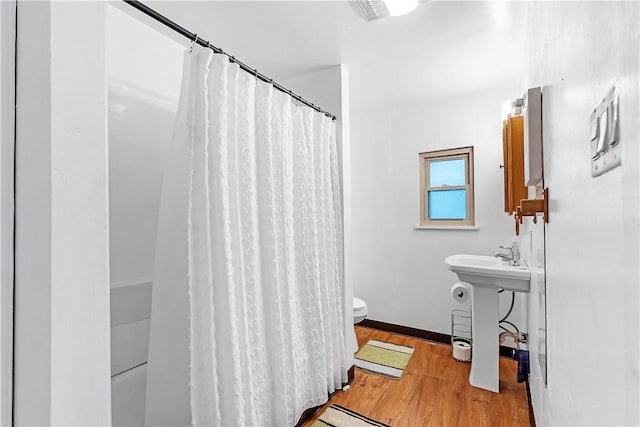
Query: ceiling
{"points": [[442, 48]]}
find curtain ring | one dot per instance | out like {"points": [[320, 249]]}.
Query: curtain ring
{"points": [[193, 43]]}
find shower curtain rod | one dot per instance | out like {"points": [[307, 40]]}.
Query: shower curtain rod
{"points": [[193, 37]]}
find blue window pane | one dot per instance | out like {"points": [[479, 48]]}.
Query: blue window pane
{"points": [[446, 172], [448, 204]]}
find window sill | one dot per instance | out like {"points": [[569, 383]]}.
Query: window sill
{"points": [[447, 227]]}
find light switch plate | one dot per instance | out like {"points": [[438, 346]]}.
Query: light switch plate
{"points": [[595, 128], [606, 153]]}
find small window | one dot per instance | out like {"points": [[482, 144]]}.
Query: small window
{"points": [[446, 187]]}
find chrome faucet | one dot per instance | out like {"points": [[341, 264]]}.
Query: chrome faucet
{"points": [[511, 256]]}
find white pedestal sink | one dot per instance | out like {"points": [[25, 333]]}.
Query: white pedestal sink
{"points": [[486, 275]]}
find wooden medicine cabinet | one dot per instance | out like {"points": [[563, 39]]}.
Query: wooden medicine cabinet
{"points": [[513, 162]]}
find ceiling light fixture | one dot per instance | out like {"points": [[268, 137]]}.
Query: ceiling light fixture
{"points": [[400, 7]]}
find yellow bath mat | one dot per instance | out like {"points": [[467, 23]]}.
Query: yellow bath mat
{"points": [[383, 358], [339, 416]]}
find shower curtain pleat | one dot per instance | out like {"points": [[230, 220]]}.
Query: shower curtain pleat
{"points": [[247, 318]]}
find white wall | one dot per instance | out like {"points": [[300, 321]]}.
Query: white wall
{"points": [[7, 95], [62, 277], [322, 87], [400, 271], [144, 69], [592, 239]]}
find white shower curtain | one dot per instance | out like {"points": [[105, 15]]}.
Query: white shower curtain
{"points": [[247, 322]]}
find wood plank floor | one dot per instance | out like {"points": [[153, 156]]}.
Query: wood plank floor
{"points": [[433, 391]]}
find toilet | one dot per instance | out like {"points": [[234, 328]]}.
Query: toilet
{"points": [[359, 313], [359, 310]]}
